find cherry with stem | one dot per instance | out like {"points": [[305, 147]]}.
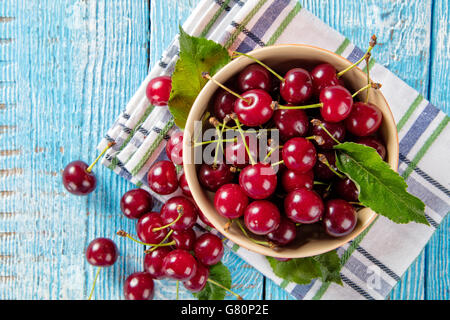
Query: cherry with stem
{"points": [[372, 44]]}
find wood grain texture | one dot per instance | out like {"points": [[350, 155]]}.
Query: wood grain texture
{"points": [[67, 69]]}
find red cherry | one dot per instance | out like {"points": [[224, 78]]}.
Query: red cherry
{"points": [[324, 75], [135, 203], [162, 178], [153, 262], [184, 239], [323, 139], [364, 119], [374, 143], [257, 111], [254, 76], [198, 282], [212, 178], [174, 148], [236, 154], [139, 286], [230, 201], [291, 123], [223, 104], [346, 189], [303, 206], [321, 171], [299, 155], [292, 180], [173, 207], [184, 185], [284, 234], [208, 249], [297, 86], [145, 226], [258, 181], [158, 90], [262, 217], [179, 265], [337, 103], [339, 218], [77, 180], [102, 252]]}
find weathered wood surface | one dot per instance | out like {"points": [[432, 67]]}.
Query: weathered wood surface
{"points": [[67, 69]]}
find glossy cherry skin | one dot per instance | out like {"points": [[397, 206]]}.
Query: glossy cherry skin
{"points": [[223, 104], [323, 140], [284, 234], [139, 286], [258, 111], [291, 123], [299, 155], [324, 75], [321, 171], [202, 217], [262, 217], [158, 90], [212, 178], [292, 180], [303, 206], [254, 76], [339, 218], [230, 201], [184, 185], [102, 252], [179, 265], [346, 189], [198, 282], [145, 226], [364, 119], [337, 103], [174, 148], [236, 154], [134, 203], [297, 86], [258, 181], [208, 249], [77, 180], [184, 239], [153, 262], [162, 178], [173, 207], [374, 143]]}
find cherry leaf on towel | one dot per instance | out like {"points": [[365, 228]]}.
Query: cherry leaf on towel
{"points": [[380, 188], [197, 55], [219, 273]]}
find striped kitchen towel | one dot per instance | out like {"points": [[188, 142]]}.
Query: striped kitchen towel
{"points": [[370, 267]]}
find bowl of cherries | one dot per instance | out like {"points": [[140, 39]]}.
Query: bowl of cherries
{"points": [[258, 151]]}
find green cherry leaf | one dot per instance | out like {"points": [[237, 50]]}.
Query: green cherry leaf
{"points": [[197, 55], [330, 266], [380, 188], [219, 273]]}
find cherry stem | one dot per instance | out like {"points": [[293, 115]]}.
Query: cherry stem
{"points": [[263, 243], [311, 106], [320, 183], [236, 120], [322, 158], [272, 149], [227, 226], [277, 163], [368, 76], [207, 76], [178, 288], [225, 288], [180, 213], [366, 87], [372, 44], [162, 241], [197, 144], [166, 244], [124, 234], [95, 281], [89, 169], [260, 63], [319, 140], [357, 203]]}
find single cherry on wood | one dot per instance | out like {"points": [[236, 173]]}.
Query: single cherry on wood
{"points": [[77, 180], [139, 286], [102, 252]]}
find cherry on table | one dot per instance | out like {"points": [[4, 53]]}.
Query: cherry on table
{"points": [[198, 282], [208, 249], [375, 143], [254, 76], [364, 119], [139, 286], [291, 123], [337, 103], [262, 217], [303, 206], [299, 155], [212, 177], [254, 108], [324, 75], [258, 181], [153, 262], [184, 239], [339, 218], [230, 201], [158, 90], [134, 203], [176, 206], [284, 234], [297, 86], [292, 180], [146, 225], [179, 265], [77, 179], [174, 148], [102, 252], [162, 178]]}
